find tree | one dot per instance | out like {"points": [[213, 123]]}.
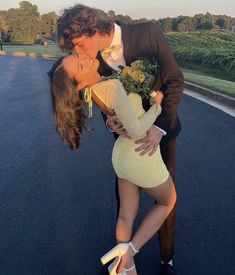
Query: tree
{"points": [[3, 29], [24, 22], [3, 24], [183, 23], [124, 19], [166, 24], [48, 23], [206, 22], [111, 13], [220, 22]]}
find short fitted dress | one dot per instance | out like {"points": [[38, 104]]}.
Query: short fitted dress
{"points": [[144, 171]]}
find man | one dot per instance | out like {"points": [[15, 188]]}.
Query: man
{"points": [[89, 32]]}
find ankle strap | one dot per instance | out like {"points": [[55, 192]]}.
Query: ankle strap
{"points": [[129, 269], [135, 250]]}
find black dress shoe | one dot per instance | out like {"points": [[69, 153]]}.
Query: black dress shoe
{"points": [[167, 269]]}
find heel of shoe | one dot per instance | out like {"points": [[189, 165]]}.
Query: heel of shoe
{"points": [[117, 251], [110, 255], [113, 267]]}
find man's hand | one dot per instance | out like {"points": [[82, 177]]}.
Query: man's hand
{"points": [[115, 125], [150, 142]]}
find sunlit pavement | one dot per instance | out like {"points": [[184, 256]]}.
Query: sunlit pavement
{"points": [[57, 208]]}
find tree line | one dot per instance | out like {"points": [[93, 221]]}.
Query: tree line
{"points": [[23, 24]]}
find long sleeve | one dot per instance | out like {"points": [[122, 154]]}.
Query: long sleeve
{"points": [[113, 95]]}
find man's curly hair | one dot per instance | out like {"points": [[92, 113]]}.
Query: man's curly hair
{"points": [[81, 20]]}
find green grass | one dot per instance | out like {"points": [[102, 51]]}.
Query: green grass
{"points": [[215, 84], [203, 70], [37, 49]]}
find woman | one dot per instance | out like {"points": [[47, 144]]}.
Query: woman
{"points": [[134, 172]]}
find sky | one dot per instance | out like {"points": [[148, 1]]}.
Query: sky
{"points": [[151, 9]]}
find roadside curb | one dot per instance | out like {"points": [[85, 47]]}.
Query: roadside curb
{"points": [[218, 97], [33, 55]]}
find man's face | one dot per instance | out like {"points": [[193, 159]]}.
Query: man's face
{"points": [[86, 45]]}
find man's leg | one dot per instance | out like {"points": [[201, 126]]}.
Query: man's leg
{"points": [[117, 195], [166, 232]]}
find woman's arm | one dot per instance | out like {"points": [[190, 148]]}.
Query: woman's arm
{"points": [[114, 97]]}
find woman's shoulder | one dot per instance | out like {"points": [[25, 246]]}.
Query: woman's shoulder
{"points": [[109, 91], [110, 82], [110, 86]]}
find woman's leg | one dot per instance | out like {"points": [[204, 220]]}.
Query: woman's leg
{"points": [[165, 196], [129, 204]]}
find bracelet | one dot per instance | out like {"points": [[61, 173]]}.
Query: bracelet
{"points": [[135, 250], [153, 94]]}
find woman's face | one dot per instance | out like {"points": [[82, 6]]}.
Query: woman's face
{"points": [[83, 69]]}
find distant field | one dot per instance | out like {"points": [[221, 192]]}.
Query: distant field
{"points": [[37, 49], [213, 50]]}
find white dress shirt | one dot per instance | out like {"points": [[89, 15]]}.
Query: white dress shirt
{"points": [[116, 58]]}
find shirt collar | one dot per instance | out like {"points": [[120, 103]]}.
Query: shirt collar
{"points": [[117, 36]]}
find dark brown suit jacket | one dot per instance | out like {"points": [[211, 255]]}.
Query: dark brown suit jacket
{"points": [[147, 40]]}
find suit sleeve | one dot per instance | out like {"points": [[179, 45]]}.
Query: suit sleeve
{"points": [[171, 79]]}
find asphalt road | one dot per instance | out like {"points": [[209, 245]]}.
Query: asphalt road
{"points": [[57, 208]]}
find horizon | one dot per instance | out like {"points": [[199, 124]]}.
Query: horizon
{"points": [[142, 10]]}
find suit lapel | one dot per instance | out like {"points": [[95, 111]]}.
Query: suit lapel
{"points": [[126, 39], [104, 68]]}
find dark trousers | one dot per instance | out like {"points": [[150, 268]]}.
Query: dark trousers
{"points": [[166, 232]]}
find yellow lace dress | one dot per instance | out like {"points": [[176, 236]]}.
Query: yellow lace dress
{"points": [[144, 171]]}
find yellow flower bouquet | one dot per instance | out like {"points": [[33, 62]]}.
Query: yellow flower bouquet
{"points": [[138, 77]]}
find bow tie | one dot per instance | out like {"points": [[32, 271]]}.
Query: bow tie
{"points": [[107, 51]]}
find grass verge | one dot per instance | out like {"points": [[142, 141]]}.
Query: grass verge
{"points": [[215, 84]]}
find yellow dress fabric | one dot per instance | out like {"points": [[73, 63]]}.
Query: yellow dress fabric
{"points": [[144, 171]]}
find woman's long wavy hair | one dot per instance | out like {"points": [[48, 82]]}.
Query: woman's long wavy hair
{"points": [[67, 106]]}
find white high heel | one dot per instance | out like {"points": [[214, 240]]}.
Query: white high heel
{"points": [[117, 252]]}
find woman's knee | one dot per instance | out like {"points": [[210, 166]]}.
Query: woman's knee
{"points": [[165, 194], [171, 201], [126, 218]]}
